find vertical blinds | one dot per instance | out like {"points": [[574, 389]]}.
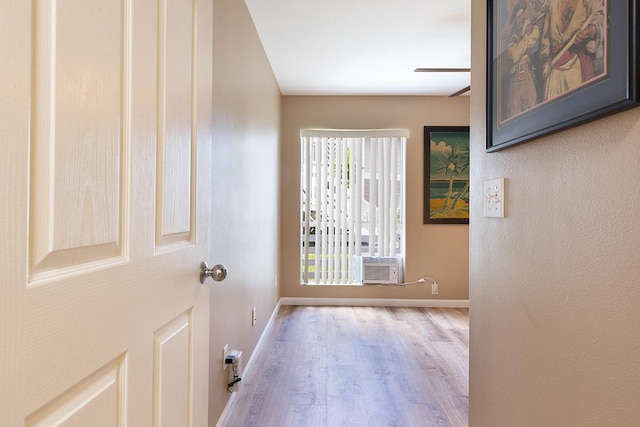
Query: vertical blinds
{"points": [[352, 199]]}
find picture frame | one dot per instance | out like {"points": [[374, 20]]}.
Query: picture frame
{"points": [[536, 85], [446, 175]]}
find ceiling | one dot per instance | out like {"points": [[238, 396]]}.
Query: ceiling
{"points": [[365, 47]]}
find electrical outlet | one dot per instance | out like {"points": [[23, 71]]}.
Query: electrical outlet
{"points": [[225, 351], [254, 319], [434, 289]]}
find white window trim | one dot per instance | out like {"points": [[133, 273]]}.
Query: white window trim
{"points": [[403, 134]]}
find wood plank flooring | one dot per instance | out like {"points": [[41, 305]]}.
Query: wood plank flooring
{"points": [[359, 366]]}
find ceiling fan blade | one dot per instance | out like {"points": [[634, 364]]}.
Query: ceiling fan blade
{"points": [[447, 70], [460, 92], [442, 70]]}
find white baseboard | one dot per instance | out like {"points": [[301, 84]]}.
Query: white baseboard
{"points": [[226, 411], [375, 302], [249, 365], [261, 340]]}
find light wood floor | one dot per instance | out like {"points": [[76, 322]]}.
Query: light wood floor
{"points": [[359, 366]]}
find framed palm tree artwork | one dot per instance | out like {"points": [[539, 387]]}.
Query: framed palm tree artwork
{"points": [[446, 175]]}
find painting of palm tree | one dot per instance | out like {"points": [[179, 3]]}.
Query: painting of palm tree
{"points": [[446, 178]]}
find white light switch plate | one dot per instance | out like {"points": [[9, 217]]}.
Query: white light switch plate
{"points": [[494, 198]]}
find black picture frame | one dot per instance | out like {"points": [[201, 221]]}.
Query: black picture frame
{"points": [[608, 50], [446, 175]]}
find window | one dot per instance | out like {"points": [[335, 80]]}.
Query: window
{"points": [[352, 200]]}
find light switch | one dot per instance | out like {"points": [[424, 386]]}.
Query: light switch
{"points": [[494, 198]]}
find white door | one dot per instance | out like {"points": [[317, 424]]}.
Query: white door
{"points": [[105, 117]]}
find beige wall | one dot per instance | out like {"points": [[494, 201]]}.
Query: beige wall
{"points": [[555, 286], [439, 251], [244, 196]]}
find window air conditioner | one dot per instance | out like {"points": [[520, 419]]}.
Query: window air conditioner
{"points": [[376, 270]]}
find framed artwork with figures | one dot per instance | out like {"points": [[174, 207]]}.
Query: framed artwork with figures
{"points": [[554, 64]]}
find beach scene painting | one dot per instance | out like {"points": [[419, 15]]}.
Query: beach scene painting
{"points": [[446, 175]]}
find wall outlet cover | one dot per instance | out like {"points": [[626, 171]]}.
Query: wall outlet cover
{"points": [[494, 199], [225, 352]]}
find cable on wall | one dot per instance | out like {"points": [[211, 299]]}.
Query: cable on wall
{"points": [[420, 280]]}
